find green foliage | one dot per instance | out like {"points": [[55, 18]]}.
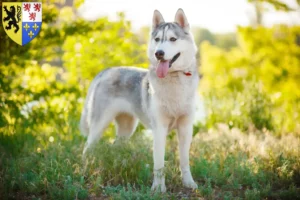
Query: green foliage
{"points": [[202, 34], [107, 44], [268, 59], [231, 164], [277, 4], [48, 77], [127, 165], [243, 109], [120, 193], [224, 40], [225, 163]]}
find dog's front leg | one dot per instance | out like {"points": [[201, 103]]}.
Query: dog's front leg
{"points": [[185, 135], [159, 143]]}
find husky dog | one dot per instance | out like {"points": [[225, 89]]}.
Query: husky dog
{"points": [[162, 98]]}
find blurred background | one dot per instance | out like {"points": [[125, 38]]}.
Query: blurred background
{"points": [[249, 59]]}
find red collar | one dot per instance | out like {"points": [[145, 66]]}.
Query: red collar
{"points": [[187, 73]]}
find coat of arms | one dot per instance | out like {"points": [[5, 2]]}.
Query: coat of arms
{"points": [[22, 21]]}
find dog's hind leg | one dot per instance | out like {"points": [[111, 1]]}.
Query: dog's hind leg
{"points": [[125, 125], [97, 126]]}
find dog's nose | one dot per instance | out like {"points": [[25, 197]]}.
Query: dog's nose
{"points": [[159, 54]]}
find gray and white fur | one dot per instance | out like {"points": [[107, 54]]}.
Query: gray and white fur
{"points": [[128, 95]]}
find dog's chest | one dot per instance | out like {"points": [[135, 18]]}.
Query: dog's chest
{"points": [[175, 94]]}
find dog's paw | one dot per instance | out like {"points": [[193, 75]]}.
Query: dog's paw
{"points": [[159, 187], [190, 184], [159, 181], [188, 181]]}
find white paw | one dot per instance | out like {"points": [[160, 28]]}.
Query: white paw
{"points": [[190, 184], [158, 187], [188, 181], [159, 181]]}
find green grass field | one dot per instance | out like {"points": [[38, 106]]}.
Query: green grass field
{"points": [[226, 164]]}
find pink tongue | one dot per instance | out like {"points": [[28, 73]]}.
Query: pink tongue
{"points": [[162, 69]]}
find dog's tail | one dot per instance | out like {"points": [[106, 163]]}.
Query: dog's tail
{"points": [[84, 126], [87, 112], [88, 108]]}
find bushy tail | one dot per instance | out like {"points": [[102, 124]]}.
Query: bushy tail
{"points": [[88, 108], [84, 126], [86, 112]]}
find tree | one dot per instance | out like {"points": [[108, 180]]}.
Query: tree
{"points": [[202, 34], [266, 65], [259, 7], [43, 83]]}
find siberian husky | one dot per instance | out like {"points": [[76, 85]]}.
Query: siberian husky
{"points": [[162, 98]]}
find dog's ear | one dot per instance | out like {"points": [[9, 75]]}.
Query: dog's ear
{"points": [[181, 20], [157, 19]]}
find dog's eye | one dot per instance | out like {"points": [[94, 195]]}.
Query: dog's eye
{"points": [[157, 39], [172, 39]]}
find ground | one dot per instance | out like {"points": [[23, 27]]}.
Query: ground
{"points": [[226, 164]]}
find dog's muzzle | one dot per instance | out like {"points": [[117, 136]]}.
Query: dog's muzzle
{"points": [[164, 65]]}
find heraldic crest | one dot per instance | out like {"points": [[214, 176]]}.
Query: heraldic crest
{"points": [[22, 21]]}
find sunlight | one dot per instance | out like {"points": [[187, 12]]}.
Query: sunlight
{"points": [[51, 139], [215, 15]]}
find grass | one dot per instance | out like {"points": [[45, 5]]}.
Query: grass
{"points": [[226, 164]]}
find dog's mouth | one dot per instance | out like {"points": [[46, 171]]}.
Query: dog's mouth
{"points": [[164, 65]]}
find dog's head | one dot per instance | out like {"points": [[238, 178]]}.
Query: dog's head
{"points": [[171, 46]]}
